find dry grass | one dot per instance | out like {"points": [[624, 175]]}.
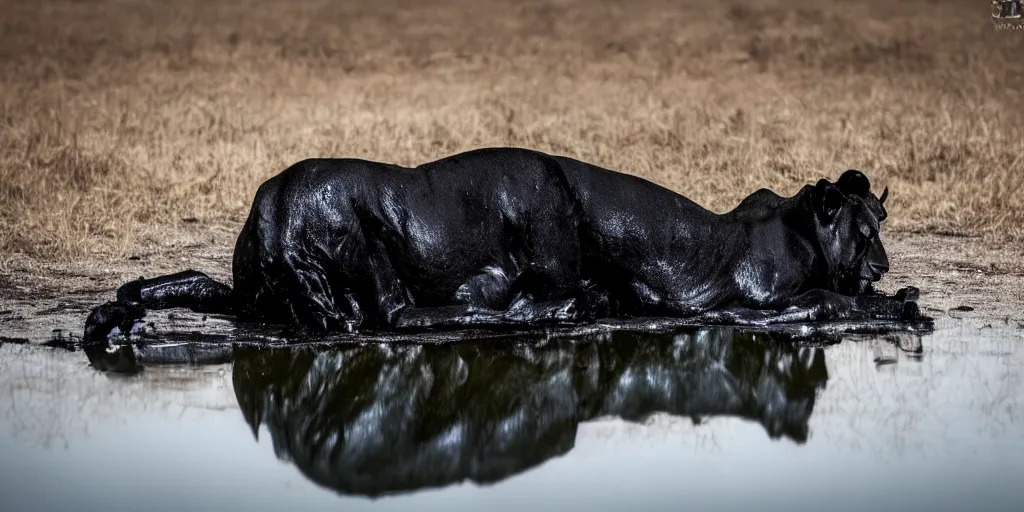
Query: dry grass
{"points": [[119, 118]]}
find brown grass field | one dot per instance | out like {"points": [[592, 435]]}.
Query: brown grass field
{"points": [[131, 126]]}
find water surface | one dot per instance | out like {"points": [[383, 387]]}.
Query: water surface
{"points": [[702, 418]]}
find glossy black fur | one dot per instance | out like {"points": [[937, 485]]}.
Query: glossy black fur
{"points": [[513, 237], [762, 203]]}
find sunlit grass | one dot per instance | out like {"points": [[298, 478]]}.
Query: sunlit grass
{"points": [[119, 118]]}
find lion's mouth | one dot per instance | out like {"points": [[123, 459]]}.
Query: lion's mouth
{"points": [[854, 283], [864, 285]]}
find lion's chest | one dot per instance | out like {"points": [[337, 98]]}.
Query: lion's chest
{"points": [[678, 288], [762, 282]]}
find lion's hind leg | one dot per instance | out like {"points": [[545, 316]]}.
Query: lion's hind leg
{"points": [[314, 305], [487, 290], [491, 300], [479, 302]]}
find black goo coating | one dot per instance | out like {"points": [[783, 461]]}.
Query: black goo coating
{"points": [[504, 237]]}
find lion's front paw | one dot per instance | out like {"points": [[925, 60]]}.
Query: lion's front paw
{"points": [[908, 294], [911, 311], [901, 307], [835, 309]]}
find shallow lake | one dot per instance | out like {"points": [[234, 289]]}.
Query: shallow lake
{"points": [[705, 419]]}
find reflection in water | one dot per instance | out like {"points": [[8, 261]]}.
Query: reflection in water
{"points": [[379, 419], [941, 428]]}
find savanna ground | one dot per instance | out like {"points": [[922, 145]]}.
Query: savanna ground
{"points": [[133, 133]]}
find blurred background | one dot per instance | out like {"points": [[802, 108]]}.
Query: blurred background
{"points": [[140, 124]]}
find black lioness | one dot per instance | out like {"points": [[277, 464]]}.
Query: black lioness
{"points": [[762, 203], [507, 236]]}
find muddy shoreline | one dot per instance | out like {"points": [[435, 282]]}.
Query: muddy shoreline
{"points": [[960, 278]]}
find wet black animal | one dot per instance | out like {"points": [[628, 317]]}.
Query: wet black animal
{"points": [[514, 237], [764, 202], [379, 420]]}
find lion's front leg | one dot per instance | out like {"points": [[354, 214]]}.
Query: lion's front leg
{"points": [[822, 305]]}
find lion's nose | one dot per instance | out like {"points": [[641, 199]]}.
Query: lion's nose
{"points": [[878, 268], [878, 261]]}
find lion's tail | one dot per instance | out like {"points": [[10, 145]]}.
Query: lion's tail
{"points": [[187, 289]]}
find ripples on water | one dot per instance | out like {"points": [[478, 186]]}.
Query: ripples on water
{"points": [[706, 418]]}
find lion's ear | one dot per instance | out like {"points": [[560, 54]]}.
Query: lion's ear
{"points": [[854, 183], [830, 199]]}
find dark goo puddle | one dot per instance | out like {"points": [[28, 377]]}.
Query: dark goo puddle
{"points": [[704, 418]]}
